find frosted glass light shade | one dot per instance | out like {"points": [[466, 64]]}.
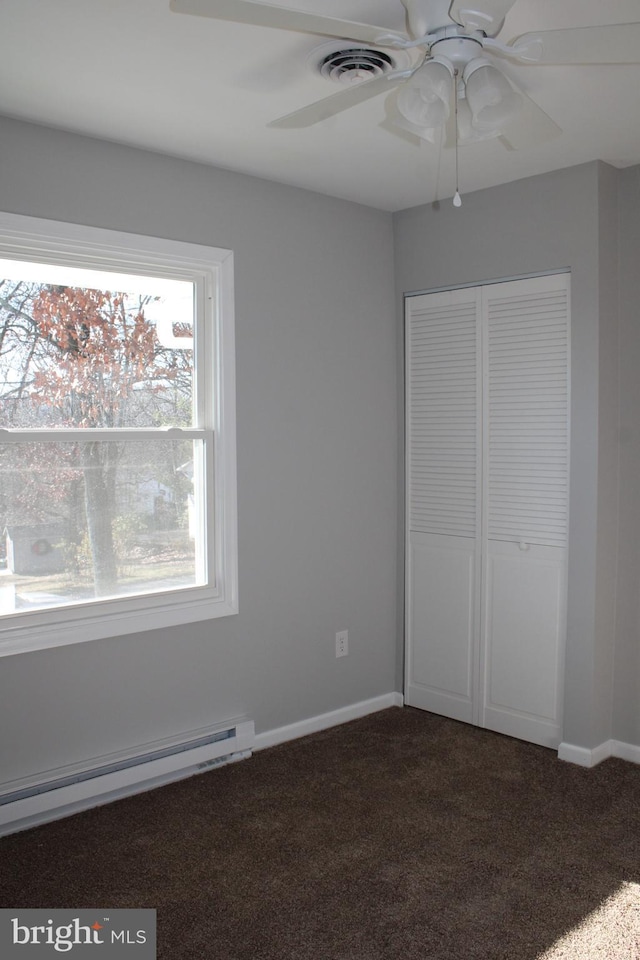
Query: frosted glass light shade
{"points": [[467, 132], [491, 98], [424, 99]]}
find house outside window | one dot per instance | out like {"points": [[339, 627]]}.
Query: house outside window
{"points": [[117, 434]]}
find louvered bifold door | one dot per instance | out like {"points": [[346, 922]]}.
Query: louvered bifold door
{"points": [[443, 517], [525, 480]]}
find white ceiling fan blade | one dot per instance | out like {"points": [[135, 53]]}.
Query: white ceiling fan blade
{"points": [[530, 126], [283, 18], [611, 43], [485, 15], [330, 106]]}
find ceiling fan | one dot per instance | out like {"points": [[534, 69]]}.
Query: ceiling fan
{"points": [[453, 78]]}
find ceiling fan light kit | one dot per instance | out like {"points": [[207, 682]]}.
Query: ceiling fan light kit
{"points": [[456, 41], [424, 99], [492, 100], [469, 132]]}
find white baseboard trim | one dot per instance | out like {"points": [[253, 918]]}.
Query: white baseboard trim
{"points": [[626, 751], [270, 738], [586, 757], [583, 756]]}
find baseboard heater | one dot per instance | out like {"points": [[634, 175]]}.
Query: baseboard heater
{"points": [[72, 790]]}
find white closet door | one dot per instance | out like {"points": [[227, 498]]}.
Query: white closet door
{"points": [[526, 477], [443, 467], [487, 504]]}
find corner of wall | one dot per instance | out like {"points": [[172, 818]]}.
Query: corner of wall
{"points": [[626, 674]]}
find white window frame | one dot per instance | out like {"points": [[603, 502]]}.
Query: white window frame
{"points": [[211, 270]]}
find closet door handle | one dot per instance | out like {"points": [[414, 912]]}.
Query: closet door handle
{"points": [[523, 545]]}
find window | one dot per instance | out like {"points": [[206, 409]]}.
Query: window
{"points": [[117, 434]]}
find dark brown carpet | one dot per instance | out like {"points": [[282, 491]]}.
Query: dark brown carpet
{"points": [[402, 835]]}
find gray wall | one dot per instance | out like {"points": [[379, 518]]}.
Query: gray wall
{"points": [[317, 468], [543, 224], [627, 669], [608, 449]]}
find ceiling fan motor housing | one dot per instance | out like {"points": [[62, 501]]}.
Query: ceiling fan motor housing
{"points": [[458, 46]]}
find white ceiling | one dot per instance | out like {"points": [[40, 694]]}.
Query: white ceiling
{"points": [[133, 72]]}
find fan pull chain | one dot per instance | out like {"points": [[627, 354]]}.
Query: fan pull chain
{"points": [[457, 199]]}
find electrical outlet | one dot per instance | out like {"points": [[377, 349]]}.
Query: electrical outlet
{"points": [[342, 643]]}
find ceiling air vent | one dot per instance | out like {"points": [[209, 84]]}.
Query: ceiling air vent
{"points": [[355, 63]]}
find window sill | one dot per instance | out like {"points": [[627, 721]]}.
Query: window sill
{"points": [[109, 618]]}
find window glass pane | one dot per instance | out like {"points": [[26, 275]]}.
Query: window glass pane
{"points": [[84, 348], [94, 519]]}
